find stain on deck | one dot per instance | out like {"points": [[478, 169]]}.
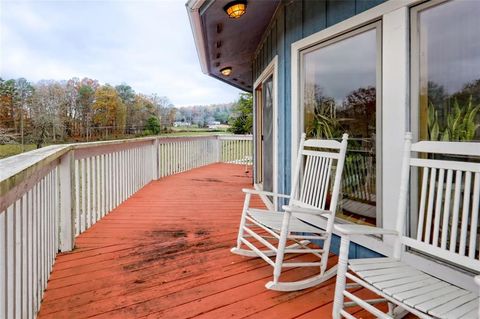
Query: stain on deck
{"points": [[164, 253]]}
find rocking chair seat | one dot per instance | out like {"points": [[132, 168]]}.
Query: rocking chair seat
{"points": [[273, 220], [405, 285]]}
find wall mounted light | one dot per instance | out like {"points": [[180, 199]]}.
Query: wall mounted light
{"points": [[236, 9], [226, 71]]}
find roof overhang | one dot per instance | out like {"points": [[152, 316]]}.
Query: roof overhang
{"points": [[225, 42]]}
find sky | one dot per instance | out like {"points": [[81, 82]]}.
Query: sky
{"points": [[146, 44]]}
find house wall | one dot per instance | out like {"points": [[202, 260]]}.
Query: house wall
{"points": [[293, 21]]}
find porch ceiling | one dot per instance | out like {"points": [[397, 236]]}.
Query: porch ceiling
{"points": [[223, 42]]}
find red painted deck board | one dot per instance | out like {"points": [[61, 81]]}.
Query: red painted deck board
{"points": [[164, 253]]}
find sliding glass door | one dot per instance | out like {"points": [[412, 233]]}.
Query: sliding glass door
{"points": [[264, 133]]}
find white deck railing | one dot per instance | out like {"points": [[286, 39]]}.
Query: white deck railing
{"points": [[49, 196], [236, 149]]}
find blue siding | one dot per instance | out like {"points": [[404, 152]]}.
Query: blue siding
{"points": [[356, 251], [314, 16], [339, 10], [293, 21]]}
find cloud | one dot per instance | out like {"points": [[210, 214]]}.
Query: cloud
{"points": [[146, 44]]}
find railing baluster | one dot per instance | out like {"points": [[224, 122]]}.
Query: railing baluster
{"points": [[98, 173], [3, 264], [43, 234], [24, 263], [117, 179], [10, 246], [94, 192], [77, 198], [36, 244], [30, 237], [48, 224]]}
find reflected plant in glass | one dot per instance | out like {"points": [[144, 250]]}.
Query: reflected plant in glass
{"points": [[460, 123], [321, 119]]}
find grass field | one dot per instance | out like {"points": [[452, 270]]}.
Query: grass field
{"points": [[14, 149]]}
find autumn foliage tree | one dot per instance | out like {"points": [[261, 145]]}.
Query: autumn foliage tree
{"points": [[78, 109], [108, 109]]}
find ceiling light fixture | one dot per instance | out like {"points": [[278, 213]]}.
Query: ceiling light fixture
{"points": [[226, 71], [236, 9]]}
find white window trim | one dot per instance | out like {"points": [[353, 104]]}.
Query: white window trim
{"points": [[270, 70], [395, 94]]}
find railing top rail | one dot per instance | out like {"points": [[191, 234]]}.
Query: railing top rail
{"points": [[235, 137], [14, 170], [168, 139], [112, 142]]}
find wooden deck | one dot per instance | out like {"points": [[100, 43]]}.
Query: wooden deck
{"points": [[164, 253]]}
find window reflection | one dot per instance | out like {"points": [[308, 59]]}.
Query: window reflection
{"points": [[339, 95], [449, 48]]}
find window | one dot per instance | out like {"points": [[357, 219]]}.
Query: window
{"points": [[446, 66], [445, 86], [340, 89]]}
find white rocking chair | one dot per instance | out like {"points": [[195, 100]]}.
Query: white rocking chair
{"points": [[305, 213], [447, 231]]}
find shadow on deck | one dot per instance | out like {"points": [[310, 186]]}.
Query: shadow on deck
{"points": [[164, 253]]}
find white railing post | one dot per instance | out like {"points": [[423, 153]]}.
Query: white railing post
{"points": [[67, 202], [219, 149], [156, 159]]}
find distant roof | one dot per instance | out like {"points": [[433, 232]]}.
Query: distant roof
{"points": [[225, 42]]}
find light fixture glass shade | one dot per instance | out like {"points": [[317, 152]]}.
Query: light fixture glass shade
{"points": [[236, 9], [226, 71]]}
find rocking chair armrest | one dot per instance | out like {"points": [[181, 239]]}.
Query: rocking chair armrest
{"points": [[477, 280], [311, 211], [259, 192], [349, 229]]}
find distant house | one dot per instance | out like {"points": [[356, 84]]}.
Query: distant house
{"points": [[214, 125], [372, 68], [181, 124]]}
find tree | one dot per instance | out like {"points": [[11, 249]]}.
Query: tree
{"points": [[108, 109], [71, 113], [164, 108], [86, 97], [47, 99], [75, 108], [241, 120], [153, 125], [358, 112], [142, 109], [128, 97], [7, 103]]}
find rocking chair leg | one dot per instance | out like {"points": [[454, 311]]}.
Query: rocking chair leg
{"points": [[341, 278], [281, 247], [243, 220]]}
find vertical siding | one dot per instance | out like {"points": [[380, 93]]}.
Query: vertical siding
{"points": [[314, 16], [339, 10], [293, 21]]}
